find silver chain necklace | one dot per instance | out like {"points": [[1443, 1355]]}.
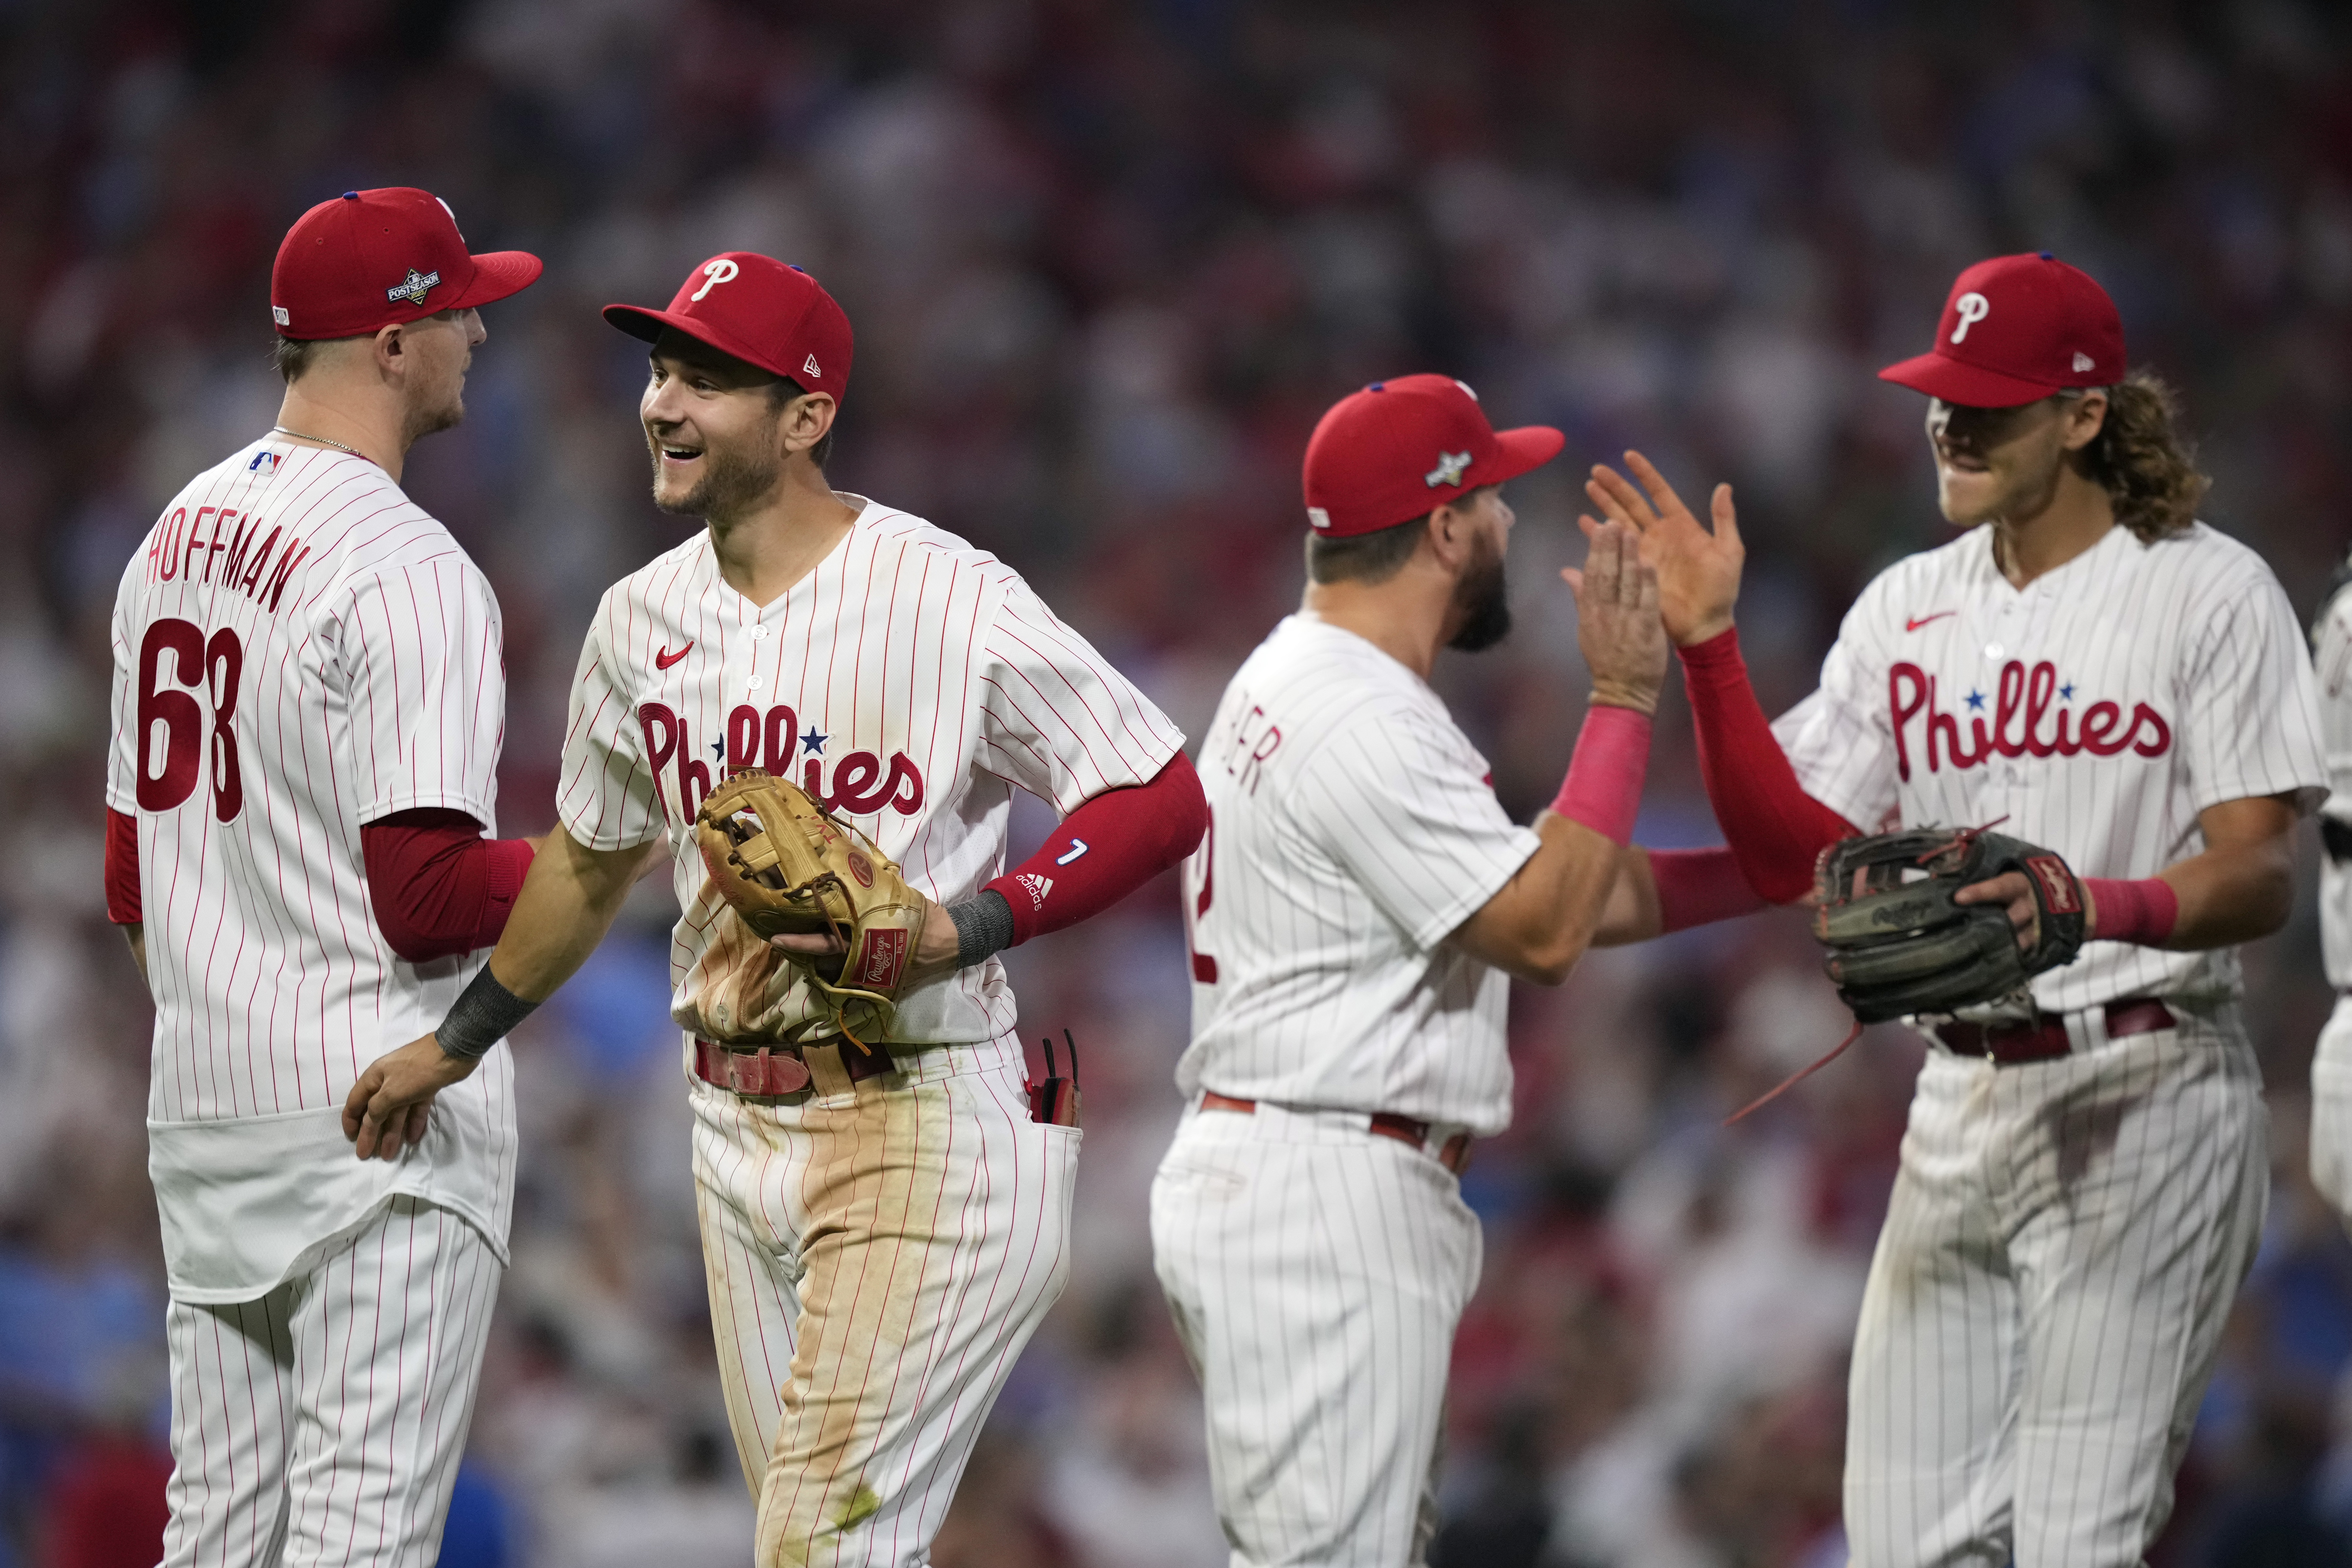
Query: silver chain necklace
{"points": [[338, 445]]}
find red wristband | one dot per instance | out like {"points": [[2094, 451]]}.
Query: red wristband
{"points": [[2143, 910], [1604, 787]]}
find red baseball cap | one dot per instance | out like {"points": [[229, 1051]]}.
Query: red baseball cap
{"points": [[763, 311], [2015, 330], [370, 258], [1400, 449]]}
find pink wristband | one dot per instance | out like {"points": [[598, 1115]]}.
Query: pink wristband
{"points": [[1604, 787], [2143, 910]]}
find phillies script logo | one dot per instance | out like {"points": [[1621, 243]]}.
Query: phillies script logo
{"points": [[860, 784], [2024, 721]]}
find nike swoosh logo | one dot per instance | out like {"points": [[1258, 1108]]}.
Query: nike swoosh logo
{"points": [[665, 659], [1078, 848], [1911, 626]]}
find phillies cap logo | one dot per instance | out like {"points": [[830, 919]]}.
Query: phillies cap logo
{"points": [[720, 271], [1450, 469], [1972, 307], [414, 288]]}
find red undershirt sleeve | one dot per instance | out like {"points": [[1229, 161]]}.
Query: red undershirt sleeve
{"points": [[122, 904], [1775, 830], [437, 886], [1110, 846]]}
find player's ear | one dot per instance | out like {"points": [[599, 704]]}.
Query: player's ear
{"points": [[2086, 416], [807, 420], [391, 350]]}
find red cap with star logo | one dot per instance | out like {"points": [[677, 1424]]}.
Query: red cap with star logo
{"points": [[763, 311], [2015, 330], [372, 259], [1400, 449]]}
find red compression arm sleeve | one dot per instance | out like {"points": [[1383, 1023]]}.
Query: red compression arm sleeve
{"points": [[122, 906], [1775, 828], [438, 887], [1106, 849], [1699, 886]]}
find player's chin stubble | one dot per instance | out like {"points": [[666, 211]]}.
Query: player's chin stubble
{"points": [[729, 483], [1483, 599]]}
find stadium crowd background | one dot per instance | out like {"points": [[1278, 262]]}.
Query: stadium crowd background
{"points": [[1107, 263]]}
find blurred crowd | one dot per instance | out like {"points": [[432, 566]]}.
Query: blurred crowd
{"points": [[1107, 263]]}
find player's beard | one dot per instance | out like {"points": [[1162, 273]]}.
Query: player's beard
{"points": [[1483, 599], [441, 414], [731, 481]]}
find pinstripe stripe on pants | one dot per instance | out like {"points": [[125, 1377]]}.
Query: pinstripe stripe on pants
{"points": [[2047, 1298], [1317, 1273], [324, 1423], [877, 1255]]}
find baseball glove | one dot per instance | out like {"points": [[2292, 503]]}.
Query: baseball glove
{"points": [[787, 866], [1899, 945]]}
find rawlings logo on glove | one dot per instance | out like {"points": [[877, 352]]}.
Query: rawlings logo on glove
{"points": [[787, 866]]}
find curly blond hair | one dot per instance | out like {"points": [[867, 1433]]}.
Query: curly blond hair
{"points": [[2142, 460]]}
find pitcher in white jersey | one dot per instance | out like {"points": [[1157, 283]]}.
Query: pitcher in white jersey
{"points": [[2331, 1063], [883, 1224], [308, 703], [1353, 915], [2083, 1181]]}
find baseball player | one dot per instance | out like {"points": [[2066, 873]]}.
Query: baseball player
{"points": [[1352, 913], [2331, 1065], [307, 708], [883, 1223], [2083, 1181]]}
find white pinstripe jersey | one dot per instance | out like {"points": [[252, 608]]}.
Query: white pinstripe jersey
{"points": [[908, 681], [1353, 828], [298, 649], [2095, 710], [2332, 651]]}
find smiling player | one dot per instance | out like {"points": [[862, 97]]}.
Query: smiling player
{"points": [[2083, 1179]]}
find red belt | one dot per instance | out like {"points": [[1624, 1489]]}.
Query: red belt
{"points": [[1410, 1129], [2005, 1044], [779, 1070]]}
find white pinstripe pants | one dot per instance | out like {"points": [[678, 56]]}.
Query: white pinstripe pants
{"points": [[877, 1255], [1317, 1272], [2047, 1298], [324, 1423]]}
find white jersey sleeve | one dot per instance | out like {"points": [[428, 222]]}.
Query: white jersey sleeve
{"points": [[1054, 717], [607, 798], [2250, 712], [1393, 798], [2332, 647], [1839, 740], [416, 648]]}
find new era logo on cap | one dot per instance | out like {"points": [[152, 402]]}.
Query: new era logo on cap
{"points": [[2017, 329]]}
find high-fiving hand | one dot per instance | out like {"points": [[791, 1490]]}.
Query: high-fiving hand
{"points": [[1699, 572], [1617, 623]]}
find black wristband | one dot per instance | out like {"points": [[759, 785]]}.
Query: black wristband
{"points": [[484, 1014], [984, 925]]}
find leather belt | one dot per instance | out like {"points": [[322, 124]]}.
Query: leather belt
{"points": [[1410, 1129], [774, 1069], [2006, 1045]]}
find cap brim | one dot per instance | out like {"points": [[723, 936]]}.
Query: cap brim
{"points": [[646, 325], [1520, 450], [1972, 387], [496, 274]]}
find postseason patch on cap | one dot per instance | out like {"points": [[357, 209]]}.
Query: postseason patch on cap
{"points": [[413, 288]]}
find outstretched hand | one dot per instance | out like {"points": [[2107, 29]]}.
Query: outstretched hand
{"points": [[1617, 625], [1698, 570]]}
